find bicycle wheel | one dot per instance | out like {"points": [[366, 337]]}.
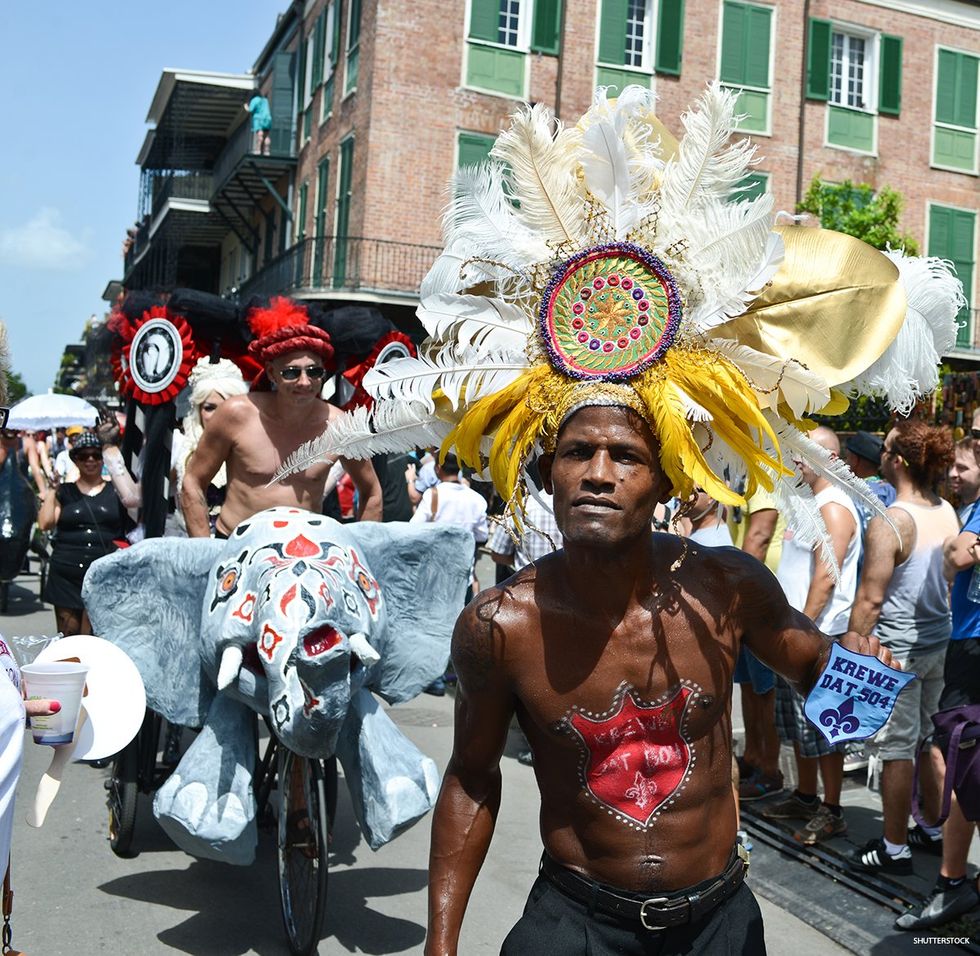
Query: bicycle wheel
{"points": [[302, 850], [122, 790]]}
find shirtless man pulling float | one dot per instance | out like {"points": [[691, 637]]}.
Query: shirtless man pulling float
{"points": [[253, 434], [618, 664]]}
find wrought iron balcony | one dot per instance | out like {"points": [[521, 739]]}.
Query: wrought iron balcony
{"points": [[181, 186], [343, 264], [241, 147]]}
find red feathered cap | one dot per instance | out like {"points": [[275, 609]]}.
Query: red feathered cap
{"points": [[282, 328]]}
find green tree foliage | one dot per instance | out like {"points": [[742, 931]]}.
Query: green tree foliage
{"points": [[16, 389], [857, 210]]}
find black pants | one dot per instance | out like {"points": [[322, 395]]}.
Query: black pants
{"points": [[553, 924]]}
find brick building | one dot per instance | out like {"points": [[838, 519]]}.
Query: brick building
{"points": [[377, 104]]}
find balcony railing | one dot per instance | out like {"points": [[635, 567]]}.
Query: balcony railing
{"points": [[181, 186], [350, 264], [282, 145]]}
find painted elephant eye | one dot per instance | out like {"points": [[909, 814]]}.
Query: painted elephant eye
{"points": [[228, 581]]}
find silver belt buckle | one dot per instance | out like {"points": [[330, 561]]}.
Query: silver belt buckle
{"points": [[743, 855], [653, 901]]}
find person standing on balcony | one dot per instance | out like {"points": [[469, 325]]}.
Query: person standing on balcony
{"points": [[258, 106]]}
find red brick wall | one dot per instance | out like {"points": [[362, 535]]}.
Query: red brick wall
{"points": [[410, 105]]}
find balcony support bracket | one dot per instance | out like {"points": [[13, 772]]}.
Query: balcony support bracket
{"points": [[286, 211]]}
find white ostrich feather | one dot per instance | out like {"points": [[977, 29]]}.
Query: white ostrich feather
{"points": [[732, 248], [451, 272], [606, 167], [482, 216], [450, 369], [804, 391], [707, 168], [798, 506], [543, 175], [795, 444], [363, 433], [908, 369], [476, 320]]}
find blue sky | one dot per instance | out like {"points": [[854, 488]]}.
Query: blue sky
{"points": [[77, 79]]}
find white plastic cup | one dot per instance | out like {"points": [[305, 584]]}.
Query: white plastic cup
{"points": [[63, 681]]}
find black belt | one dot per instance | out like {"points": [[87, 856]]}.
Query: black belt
{"points": [[652, 913]]}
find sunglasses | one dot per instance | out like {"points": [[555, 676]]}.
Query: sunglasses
{"points": [[975, 433], [87, 456], [291, 373]]}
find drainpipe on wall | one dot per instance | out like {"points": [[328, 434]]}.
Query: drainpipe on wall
{"points": [[801, 140]]}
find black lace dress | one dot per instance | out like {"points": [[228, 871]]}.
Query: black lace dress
{"points": [[86, 528]]}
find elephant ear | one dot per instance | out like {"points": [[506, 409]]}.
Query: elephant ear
{"points": [[147, 600], [423, 571]]}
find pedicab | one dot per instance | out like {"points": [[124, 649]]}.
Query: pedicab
{"points": [[305, 622]]}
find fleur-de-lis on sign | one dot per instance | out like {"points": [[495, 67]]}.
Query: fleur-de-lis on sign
{"points": [[841, 719]]}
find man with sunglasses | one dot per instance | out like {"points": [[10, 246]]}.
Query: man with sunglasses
{"points": [[253, 434]]}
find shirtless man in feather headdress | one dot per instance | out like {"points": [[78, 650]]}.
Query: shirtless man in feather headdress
{"points": [[618, 665], [253, 434]]}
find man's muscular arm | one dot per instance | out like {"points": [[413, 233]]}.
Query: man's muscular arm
{"points": [[368, 488], [466, 812], [212, 451], [785, 639], [882, 552]]}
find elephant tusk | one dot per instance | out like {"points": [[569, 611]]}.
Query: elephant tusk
{"points": [[231, 661], [359, 645]]}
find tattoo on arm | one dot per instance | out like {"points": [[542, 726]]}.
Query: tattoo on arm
{"points": [[473, 655]]}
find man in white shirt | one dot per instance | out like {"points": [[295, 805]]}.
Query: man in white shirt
{"points": [[809, 587], [540, 535]]}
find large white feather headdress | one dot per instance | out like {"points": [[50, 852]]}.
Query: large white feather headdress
{"points": [[606, 262]]}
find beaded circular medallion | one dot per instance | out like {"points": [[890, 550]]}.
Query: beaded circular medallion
{"points": [[608, 313]]}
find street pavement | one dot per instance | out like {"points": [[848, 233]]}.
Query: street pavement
{"points": [[74, 896]]}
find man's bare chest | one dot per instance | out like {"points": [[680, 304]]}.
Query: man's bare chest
{"points": [[261, 450]]}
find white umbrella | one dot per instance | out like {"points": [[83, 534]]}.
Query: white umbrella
{"points": [[41, 413]]}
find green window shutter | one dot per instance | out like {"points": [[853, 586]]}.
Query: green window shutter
{"points": [[956, 89], [485, 20], [546, 29], [818, 60], [301, 212], [301, 100], [670, 37], [757, 49], [354, 29], [890, 76], [951, 236], [322, 183], [335, 39], [343, 214], [612, 32], [474, 148], [745, 43], [318, 31], [733, 42]]}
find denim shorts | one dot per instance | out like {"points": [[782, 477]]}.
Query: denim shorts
{"points": [[749, 669]]}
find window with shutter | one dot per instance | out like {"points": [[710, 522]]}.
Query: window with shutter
{"points": [[331, 56], [954, 134], [353, 45], [746, 53], [341, 241], [625, 44], [473, 148], [301, 212], [498, 41], [546, 29], [320, 206], [852, 95], [952, 236]]}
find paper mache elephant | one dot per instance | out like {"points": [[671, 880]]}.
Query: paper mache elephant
{"points": [[302, 619]]}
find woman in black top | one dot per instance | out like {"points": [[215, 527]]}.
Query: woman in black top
{"points": [[87, 516]]}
